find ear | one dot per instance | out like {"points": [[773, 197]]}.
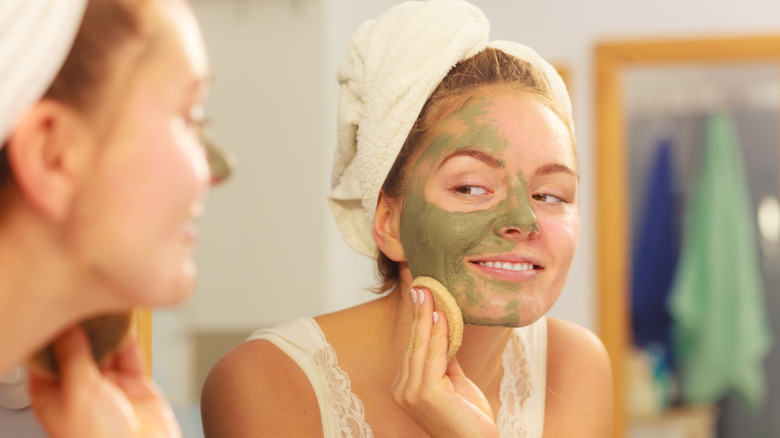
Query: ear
{"points": [[46, 151], [387, 229]]}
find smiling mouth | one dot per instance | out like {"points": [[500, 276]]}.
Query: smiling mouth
{"points": [[517, 267]]}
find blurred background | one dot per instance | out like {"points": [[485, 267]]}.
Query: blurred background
{"points": [[270, 250]]}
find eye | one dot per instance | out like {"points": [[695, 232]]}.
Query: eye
{"points": [[471, 190], [197, 123], [544, 197]]}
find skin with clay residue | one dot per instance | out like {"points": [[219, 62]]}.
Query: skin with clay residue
{"points": [[437, 242]]}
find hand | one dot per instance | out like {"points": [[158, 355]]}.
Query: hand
{"points": [[117, 400], [434, 393]]}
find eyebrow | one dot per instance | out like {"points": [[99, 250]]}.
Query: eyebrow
{"points": [[551, 168], [493, 161], [478, 154]]}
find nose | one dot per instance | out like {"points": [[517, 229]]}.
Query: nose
{"points": [[221, 163], [517, 219]]}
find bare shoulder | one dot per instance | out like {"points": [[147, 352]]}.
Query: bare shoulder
{"points": [[579, 382], [255, 390]]}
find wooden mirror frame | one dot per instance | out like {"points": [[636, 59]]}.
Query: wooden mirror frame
{"points": [[612, 212], [142, 328]]}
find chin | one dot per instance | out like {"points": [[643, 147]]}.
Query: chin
{"points": [[170, 289], [522, 317], [508, 321], [181, 288]]}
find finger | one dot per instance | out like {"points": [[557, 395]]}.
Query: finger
{"points": [[39, 386], [436, 358], [73, 354], [422, 337], [129, 373], [129, 359]]}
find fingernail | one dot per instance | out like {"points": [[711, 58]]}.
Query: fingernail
{"points": [[413, 293], [435, 317], [422, 295]]}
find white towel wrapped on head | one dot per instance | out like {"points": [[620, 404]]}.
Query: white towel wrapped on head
{"points": [[35, 39], [394, 64]]}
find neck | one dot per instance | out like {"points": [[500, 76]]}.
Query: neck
{"points": [[41, 292], [480, 355]]}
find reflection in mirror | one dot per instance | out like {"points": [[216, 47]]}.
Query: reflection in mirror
{"points": [[702, 152]]}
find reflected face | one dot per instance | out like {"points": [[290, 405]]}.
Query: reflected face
{"points": [[133, 223], [491, 209]]}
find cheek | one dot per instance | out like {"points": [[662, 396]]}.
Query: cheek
{"points": [[130, 225], [184, 153], [436, 241], [561, 234], [161, 179]]}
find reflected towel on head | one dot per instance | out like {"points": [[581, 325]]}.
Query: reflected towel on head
{"points": [[720, 328], [35, 39], [394, 63]]}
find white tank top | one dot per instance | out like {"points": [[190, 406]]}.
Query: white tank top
{"points": [[522, 389]]}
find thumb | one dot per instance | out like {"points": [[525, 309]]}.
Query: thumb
{"points": [[73, 354], [454, 369], [466, 388]]}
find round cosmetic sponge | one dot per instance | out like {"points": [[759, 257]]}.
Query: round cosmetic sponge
{"points": [[105, 334], [444, 302]]}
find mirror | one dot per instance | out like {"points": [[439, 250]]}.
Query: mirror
{"points": [[648, 90]]}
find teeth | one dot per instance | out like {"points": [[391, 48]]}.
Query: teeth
{"points": [[508, 266]]}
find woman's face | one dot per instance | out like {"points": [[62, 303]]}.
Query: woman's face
{"points": [[132, 225], [491, 210]]}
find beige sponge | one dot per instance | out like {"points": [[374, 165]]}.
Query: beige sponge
{"points": [[444, 302], [105, 333]]}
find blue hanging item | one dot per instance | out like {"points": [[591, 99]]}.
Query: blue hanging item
{"points": [[655, 256], [720, 329]]}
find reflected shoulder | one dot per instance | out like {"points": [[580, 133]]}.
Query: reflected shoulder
{"points": [[256, 390]]}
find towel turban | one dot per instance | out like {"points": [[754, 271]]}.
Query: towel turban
{"points": [[35, 39]]}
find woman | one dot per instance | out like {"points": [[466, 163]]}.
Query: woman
{"points": [[467, 174], [102, 174]]}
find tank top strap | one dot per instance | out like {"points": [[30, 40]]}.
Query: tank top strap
{"points": [[342, 412]]}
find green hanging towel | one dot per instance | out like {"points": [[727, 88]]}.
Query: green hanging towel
{"points": [[720, 328]]}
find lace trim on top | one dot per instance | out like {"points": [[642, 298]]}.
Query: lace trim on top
{"points": [[342, 403], [514, 390]]}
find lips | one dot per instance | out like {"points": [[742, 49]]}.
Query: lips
{"points": [[511, 266], [191, 230], [189, 225], [508, 265]]}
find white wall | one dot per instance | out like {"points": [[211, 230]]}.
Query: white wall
{"points": [[261, 254]]}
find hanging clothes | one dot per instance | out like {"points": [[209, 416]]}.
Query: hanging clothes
{"points": [[720, 328], [655, 255]]}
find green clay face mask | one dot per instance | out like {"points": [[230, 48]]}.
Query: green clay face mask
{"points": [[438, 242]]}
